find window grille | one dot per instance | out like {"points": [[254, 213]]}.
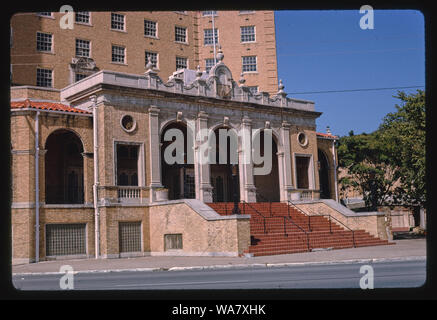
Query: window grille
{"points": [[209, 63], [82, 48], [249, 64], [65, 239], [82, 17], [130, 236], [208, 37], [247, 34], [118, 54], [150, 28], [181, 63], [172, 241], [180, 34], [117, 21], [44, 42], [45, 14], [44, 78], [209, 13]]}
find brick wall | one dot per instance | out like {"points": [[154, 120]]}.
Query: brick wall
{"points": [[200, 236]]}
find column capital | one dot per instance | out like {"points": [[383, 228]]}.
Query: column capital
{"points": [[153, 110], [202, 115], [286, 125]]}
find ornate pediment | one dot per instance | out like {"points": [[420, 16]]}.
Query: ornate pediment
{"points": [[83, 64], [223, 77]]}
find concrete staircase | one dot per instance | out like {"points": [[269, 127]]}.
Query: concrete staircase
{"points": [[278, 228]]}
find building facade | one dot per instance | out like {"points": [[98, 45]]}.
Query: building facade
{"points": [[44, 54], [90, 176]]}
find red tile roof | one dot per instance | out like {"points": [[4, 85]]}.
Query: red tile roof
{"points": [[46, 106], [326, 135]]}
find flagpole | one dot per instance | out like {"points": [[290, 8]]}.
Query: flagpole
{"points": [[213, 37]]}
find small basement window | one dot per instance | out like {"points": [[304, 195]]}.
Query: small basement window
{"points": [[172, 241]]}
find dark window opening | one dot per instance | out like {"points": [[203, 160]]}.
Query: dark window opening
{"points": [[302, 166], [127, 165], [64, 168]]}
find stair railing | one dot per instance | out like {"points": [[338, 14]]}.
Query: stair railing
{"points": [[259, 213], [265, 200], [330, 217], [301, 211], [351, 230], [306, 233]]}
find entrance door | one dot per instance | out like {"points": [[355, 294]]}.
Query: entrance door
{"points": [[302, 168], [74, 185], [188, 183]]}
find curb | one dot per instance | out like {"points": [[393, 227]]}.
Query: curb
{"points": [[235, 266]]}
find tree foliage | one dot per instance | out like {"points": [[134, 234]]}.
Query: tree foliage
{"points": [[404, 132], [388, 165], [368, 167]]}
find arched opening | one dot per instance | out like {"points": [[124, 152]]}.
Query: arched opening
{"points": [[177, 174], [325, 192], [224, 172], [64, 168], [267, 185]]}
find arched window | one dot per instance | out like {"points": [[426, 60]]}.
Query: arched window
{"points": [[64, 168]]}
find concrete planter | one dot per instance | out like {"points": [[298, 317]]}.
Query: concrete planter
{"points": [[161, 194]]}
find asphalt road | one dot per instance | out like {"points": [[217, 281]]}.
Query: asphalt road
{"points": [[393, 274]]}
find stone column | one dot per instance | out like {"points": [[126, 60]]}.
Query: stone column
{"points": [[247, 185], [285, 160], [154, 153], [201, 163]]}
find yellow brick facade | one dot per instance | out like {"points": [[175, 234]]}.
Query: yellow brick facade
{"points": [[25, 58]]}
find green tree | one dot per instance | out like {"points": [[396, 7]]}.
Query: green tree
{"points": [[368, 167], [404, 133]]}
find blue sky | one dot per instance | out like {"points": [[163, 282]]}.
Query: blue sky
{"points": [[327, 50]]}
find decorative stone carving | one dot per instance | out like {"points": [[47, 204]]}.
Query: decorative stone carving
{"points": [[267, 125], [83, 65], [226, 121]]}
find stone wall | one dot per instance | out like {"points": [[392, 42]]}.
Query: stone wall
{"points": [[223, 236], [372, 222]]}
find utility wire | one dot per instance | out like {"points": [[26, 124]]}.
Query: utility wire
{"points": [[354, 90]]}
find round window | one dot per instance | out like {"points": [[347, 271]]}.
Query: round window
{"points": [[302, 138], [128, 123]]}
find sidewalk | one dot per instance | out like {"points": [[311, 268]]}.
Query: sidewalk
{"points": [[402, 250]]}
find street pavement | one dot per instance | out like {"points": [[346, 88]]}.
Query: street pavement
{"points": [[388, 274]]}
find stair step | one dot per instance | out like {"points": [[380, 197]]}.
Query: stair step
{"points": [[322, 232]]}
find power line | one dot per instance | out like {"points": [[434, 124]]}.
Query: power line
{"points": [[354, 90], [347, 52]]}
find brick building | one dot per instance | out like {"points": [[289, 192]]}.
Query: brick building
{"points": [[43, 54], [89, 170]]}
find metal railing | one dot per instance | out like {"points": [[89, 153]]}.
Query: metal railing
{"points": [[301, 211], [306, 233], [324, 215], [259, 213], [265, 200]]}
